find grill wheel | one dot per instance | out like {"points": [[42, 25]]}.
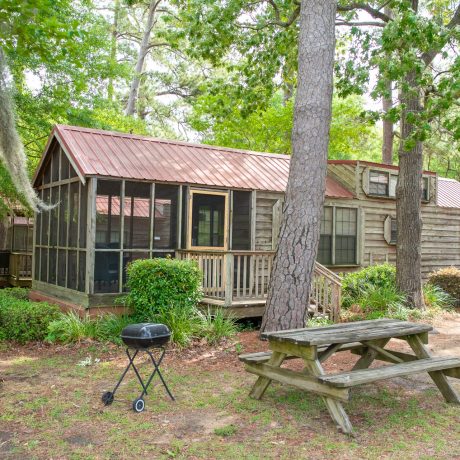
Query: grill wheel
{"points": [[138, 405]]}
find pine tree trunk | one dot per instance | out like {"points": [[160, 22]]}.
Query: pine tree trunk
{"points": [[113, 46], [387, 144], [143, 50], [408, 203], [289, 290]]}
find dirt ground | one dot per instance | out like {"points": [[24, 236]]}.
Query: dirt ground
{"points": [[50, 407]]}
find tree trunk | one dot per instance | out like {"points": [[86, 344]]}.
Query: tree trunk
{"points": [[387, 103], [387, 144], [289, 290], [113, 46], [408, 202], [143, 50]]}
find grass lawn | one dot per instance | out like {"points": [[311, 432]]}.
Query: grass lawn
{"points": [[50, 407]]}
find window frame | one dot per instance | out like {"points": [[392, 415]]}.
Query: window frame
{"points": [[334, 234], [224, 194]]}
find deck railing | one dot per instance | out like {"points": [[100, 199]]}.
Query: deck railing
{"points": [[20, 266], [238, 276]]}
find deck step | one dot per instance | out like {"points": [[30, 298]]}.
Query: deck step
{"points": [[353, 378]]}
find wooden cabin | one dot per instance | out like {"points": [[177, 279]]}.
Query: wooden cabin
{"points": [[122, 197], [16, 241]]}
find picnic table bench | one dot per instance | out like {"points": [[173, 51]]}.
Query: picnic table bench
{"points": [[364, 338]]}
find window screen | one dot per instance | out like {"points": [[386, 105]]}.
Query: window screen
{"points": [[345, 236], [52, 265], [63, 214], [45, 218], [241, 225], [65, 165], [425, 189], [83, 213], [165, 221], [325, 240], [378, 183], [137, 215], [106, 272], [208, 220], [37, 263], [54, 216], [55, 164], [82, 271], [73, 214], [108, 214], [72, 275], [44, 265], [393, 182], [62, 267]]}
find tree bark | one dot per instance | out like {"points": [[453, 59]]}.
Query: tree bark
{"points": [[408, 202], [387, 103], [113, 46], [387, 144], [289, 290], [143, 51]]}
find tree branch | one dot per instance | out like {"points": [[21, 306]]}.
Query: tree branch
{"points": [[342, 22], [428, 56], [375, 13]]}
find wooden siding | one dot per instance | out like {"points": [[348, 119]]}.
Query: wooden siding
{"points": [[264, 219], [344, 174]]}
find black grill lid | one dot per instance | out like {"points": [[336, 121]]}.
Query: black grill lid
{"points": [[145, 335]]}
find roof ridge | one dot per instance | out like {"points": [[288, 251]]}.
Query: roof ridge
{"points": [[103, 132]]}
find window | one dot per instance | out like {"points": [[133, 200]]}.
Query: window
{"points": [[137, 215], [378, 183], [165, 220], [338, 236], [208, 219], [425, 189], [393, 182], [241, 224], [393, 233]]}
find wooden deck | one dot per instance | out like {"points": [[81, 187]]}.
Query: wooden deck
{"points": [[238, 281]]}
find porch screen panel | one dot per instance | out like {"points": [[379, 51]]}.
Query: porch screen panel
{"points": [[82, 271], [106, 272], [345, 236], [37, 263], [44, 265], [63, 215], [165, 219], [73, 214], [325, 240], [62, 268], [65, 165], [208, 220], [137, 215], [45, 219], [52, 266], [241, 225], [72, 274], [54, 216], [55, 164], [108, 214], [83, 212]]}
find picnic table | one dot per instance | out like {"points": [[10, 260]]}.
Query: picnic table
{"points": [[364, 338]]}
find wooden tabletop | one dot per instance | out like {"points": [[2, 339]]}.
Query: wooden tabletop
{"points": [[358, 331]]}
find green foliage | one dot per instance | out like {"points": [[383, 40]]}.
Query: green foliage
{"points": [[217, 326], [16, 292], [436, 298], [319, 321], [226, 431], [448, 279], [158, 285], [71, 328], [24, 321], [220, 121], [355, 285]]}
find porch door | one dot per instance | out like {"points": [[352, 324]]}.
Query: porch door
{"points": [[208, 222]]}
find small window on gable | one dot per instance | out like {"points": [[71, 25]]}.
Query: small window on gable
{"points": [[425, 189], [378, 183]]}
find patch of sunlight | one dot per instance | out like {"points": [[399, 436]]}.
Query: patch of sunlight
{"points": [[16, 361]]}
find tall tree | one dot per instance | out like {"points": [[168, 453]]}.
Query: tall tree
{"points": [[289, 290]]}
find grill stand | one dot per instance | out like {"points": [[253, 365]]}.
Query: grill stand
{"points": [[139, 404]]}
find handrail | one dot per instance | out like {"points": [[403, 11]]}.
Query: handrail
{"points": [[328, 273]]}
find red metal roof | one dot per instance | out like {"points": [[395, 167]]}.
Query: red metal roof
{"points": [[111, 154], [448, 193]]}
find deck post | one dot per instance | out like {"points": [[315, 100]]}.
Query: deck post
{"points": [[228, 278]]}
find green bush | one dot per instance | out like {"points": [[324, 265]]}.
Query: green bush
{"points": [[437, 298], [448, 279], [16, 292], [216, 326], [158, 284], [356, 285], [22, 320], [71, 328]]}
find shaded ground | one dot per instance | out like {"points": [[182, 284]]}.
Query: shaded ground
{"points": [[50, 408]]}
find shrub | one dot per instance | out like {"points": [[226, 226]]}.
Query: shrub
{"points": [[355, 285], [71, 328], [157, 284], [448, 279], [436, 298], [109, 327], [17, 292], [217, 326], [22, 320]]}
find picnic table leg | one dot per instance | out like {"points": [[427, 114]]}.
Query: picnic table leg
{"points": [[262, 383], [334, 407], [369, 356], [438, 377]]}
